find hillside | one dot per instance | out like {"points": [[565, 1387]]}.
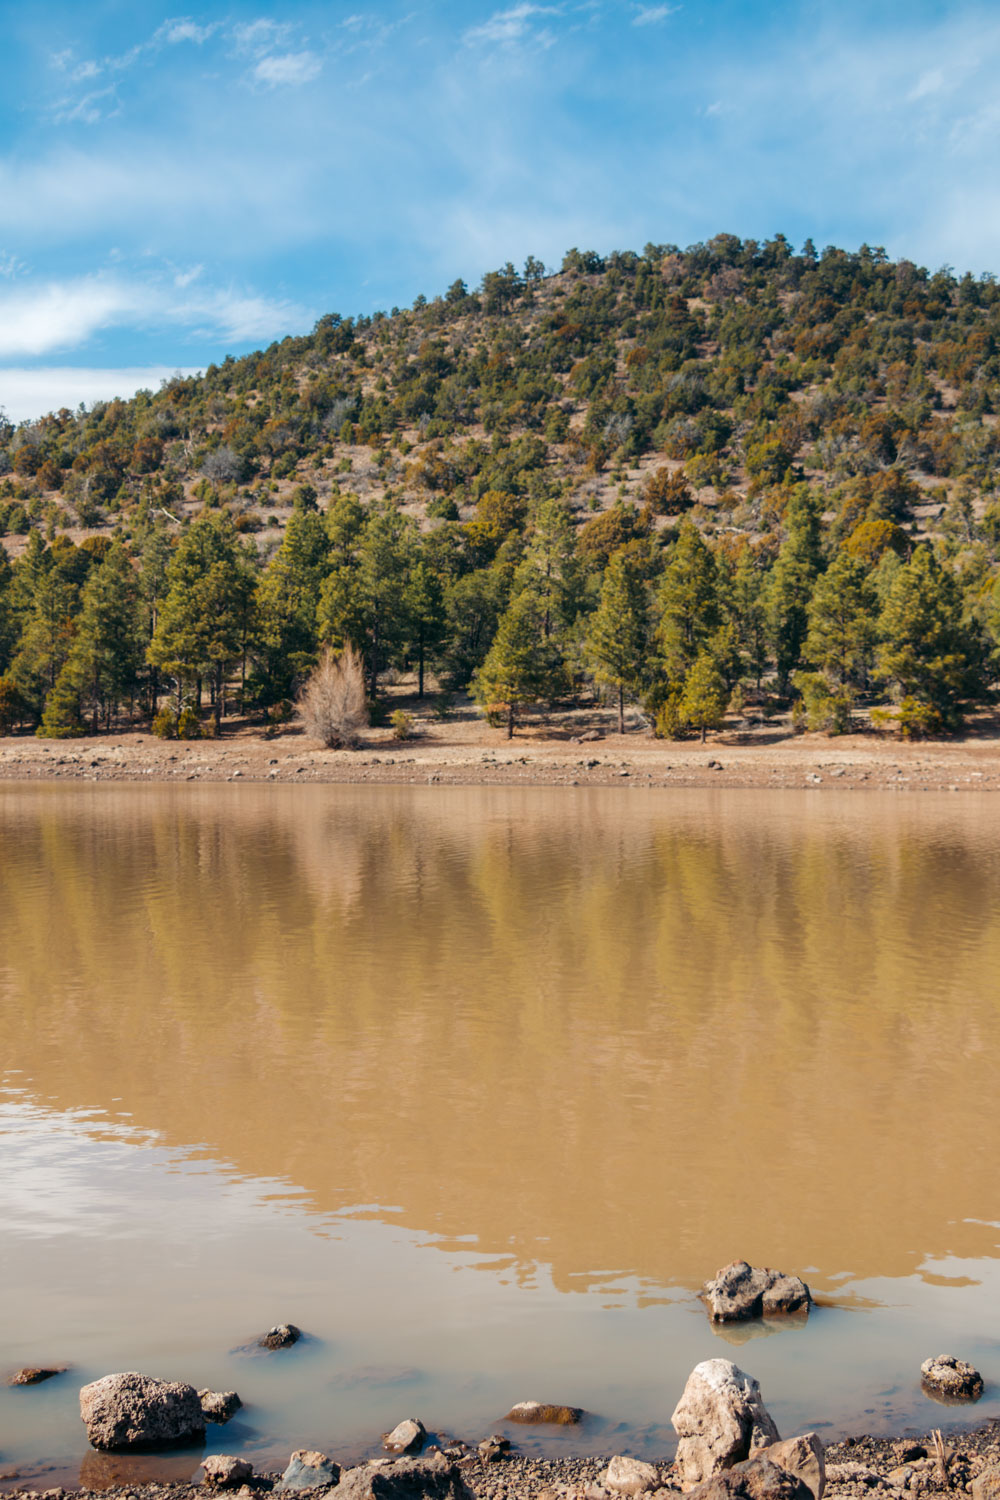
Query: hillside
{"points": [[504, 445]]}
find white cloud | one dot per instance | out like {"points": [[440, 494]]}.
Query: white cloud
{"points": [[36, 320], [288, 68], [183, 29], [89, 109], [652, 15], [260, 36], [509, 25], [28, 393]]}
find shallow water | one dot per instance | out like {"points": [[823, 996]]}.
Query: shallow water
{"points": [[477, 1087]]}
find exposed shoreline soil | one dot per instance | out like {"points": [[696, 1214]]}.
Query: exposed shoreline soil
{"points": [[576, 750], [886, 1467]]}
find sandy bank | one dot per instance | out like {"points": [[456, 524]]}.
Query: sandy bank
{"points": [[469, 753]]}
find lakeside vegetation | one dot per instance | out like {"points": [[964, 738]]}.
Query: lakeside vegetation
{"points": [[688, 479]]}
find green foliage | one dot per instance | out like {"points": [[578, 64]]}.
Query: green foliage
{"points": [[522, 667], [618, 636], [165, 724], [402, 724], [703, 698]]}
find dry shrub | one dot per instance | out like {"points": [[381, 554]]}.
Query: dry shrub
{"points": [[333, 700]]}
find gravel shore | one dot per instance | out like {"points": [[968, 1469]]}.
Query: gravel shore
{"points": [[883, 1468]]}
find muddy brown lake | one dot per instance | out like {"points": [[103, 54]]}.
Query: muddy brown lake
{"points": [[478, 1086]]}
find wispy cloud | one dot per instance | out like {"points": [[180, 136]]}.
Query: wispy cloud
{"points": [[652, 15], [89, 109], [512, 25], [36, 320], [183, 29], [289, 68]]}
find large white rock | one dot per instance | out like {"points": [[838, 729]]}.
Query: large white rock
{"points": [[720, 1419], [135, 1411], [630, 1476]]}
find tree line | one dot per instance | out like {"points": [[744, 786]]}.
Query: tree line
{"points": [[519, 603]]}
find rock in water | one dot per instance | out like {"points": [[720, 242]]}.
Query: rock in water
{"points": [[432, 1478], [754, 1479], [225, 1472], [135, 1411], [282, 1336], [533, 1412], [949, 1379], [307, 1470], [219, 1406], [493, 1448], [32, 1375], [406, 1437], [630, 1476], [742, 1291], [720, 1421]]}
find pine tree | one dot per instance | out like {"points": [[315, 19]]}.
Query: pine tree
{"points": [[618, 638], [425, 614], [288, 599], [703, 697], [842, 622], [205, 617], [791, 584], [521, 667], [746, 603], [689, 598], [927, 651]]}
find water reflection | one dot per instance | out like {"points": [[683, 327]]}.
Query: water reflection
{"points": [[587, 1043]]}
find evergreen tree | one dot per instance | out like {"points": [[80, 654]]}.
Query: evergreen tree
{"points": [[703, 696], [618, 637], [288, 598], [791, 584], [205, 618], [689, 598], [8, 626], [425, 615], [927, 652], [842, 622], [749, 613], [103, 665], [363, 600], [522, 667]]}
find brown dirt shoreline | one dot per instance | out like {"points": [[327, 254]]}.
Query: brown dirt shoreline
{"points": [[882, 1468], [465, 751]]}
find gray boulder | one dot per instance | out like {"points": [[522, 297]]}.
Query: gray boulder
{"points": [[406, 1437], [430, 1478], [986, 1486], [720, 1420], [130, 1411], [741, 1291], [219, 1406], [949, 1379], [308, 1470]]}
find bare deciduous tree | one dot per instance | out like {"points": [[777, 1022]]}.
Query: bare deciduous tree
{"points": [[333, 701]]}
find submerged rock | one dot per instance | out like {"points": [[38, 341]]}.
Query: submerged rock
{"points": [[630, 1476], [224, 1471], [135, 1411], [949, 1379], [720, 1420], [534, 1412], [281, 1336], [431, 1478], [219, 1406], [493, 1448], [742, 1291], [32, 1375], [406, 1437], [308, 1470]]}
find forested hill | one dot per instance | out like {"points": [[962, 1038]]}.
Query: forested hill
{"points": [[679, 475]]}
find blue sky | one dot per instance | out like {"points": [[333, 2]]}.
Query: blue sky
{"points": [[176, 185]]}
